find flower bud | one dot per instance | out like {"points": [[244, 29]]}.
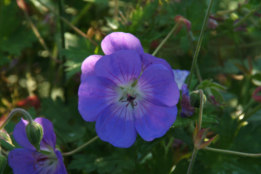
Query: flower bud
{"points": [[212, 23], [199, 136], [181, 20], [21, 4], [195, 99], [3, 163], [257, 94], [34, 133], [186, 109]]}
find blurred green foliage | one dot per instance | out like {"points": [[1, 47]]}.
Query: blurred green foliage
{"points": [[229, 63]]}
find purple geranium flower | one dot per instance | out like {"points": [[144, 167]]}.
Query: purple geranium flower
{"points": [[180, 77], [127, 92], [186, 108], [28, 160]]}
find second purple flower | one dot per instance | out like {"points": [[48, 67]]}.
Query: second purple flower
{"points": [[127, 92]]}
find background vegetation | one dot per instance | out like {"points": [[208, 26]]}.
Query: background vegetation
{"points": [[41, 56]]}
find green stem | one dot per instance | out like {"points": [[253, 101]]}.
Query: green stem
{"points": [[242, 45], [198, 74], [165, 39], [38, 35], [233, 152], [77, 30], [1, 23], [81, 147], [13, 112], [240, 122], [82, 13], [200, 108], [195, 150], [257, 108], [116, 9], [245, 88], [60, 4], [250, 103], [168, 145], [238, 23], [194, 62], [193, 157], [191, 38], [246, 17]]}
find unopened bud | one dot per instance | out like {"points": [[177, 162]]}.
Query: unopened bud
{"points": [[212, 23], [3, 163], [199, 136], [21, 4], [195, 99], [257, 94], [181, 20], [34, 133]]}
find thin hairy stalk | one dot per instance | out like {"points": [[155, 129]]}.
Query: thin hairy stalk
{"points": [[195, 150], [60, 4], [246, 16], [81, 147], [191, 38], [233, 152], [194, 62], [252, 112], [116, 8], [38, 35], [192, 160], [250, 103], [81, 13], [168, 145], [1, 4], [165, 39], [242, 45], [201, 108], [77, 30], [15, 111], [238, 23]]}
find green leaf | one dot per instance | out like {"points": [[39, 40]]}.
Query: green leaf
{"points": [[208, 119], [72, 68], [68, 127], [4, 59], [181, 134], [181, 121], [109, 164], [74, 54], [5, 136], [217, 86], [74, 57], [14, 36], [256, 79]]}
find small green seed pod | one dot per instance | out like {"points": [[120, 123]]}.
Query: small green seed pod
{"points": [[34, 133], [195, 99]]}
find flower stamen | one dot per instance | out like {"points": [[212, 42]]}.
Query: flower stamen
{"points": [[130, 99], [38, 159]]}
